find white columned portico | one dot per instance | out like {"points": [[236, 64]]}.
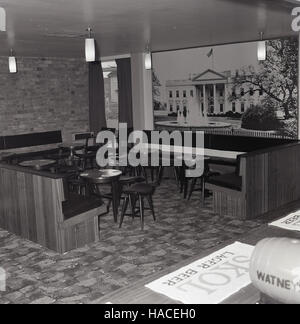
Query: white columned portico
{"points": [[225, 97], [204, 100], [215, 99]]}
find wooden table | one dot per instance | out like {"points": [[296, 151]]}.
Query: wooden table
{"points": [[106, 176], [137, 293], [230, 155], [38, 164], [147, 149]]}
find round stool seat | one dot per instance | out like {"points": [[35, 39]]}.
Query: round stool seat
{"points": [[77, 181], [212, 174], [124, 180], [141, 189]]}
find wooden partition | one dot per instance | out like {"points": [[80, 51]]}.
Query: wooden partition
{"points": [[270, 179], [31, 207]]}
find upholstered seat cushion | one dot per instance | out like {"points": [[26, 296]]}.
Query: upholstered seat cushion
{"points": [[222, 161], [140, 188], [77, 205], [230, 180], [126, 180]]}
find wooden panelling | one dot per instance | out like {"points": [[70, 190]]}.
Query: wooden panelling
{"points": [[28, 206], [77, 233], [31, 207], [228, 202], [270, 180]]}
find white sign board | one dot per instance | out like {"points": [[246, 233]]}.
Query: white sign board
{"points": [[290, 222], [210, 280]]}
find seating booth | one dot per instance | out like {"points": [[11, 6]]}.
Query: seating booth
{"points": [[264, 177], [37, 205]]}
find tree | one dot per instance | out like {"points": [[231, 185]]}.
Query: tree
{"points": [[155, 90], [277, 77]]}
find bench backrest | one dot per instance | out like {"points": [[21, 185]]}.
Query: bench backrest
{"points": [[29, 140], [235, 143]]}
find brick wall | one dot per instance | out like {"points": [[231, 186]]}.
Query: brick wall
{"points": [[46, 94]]}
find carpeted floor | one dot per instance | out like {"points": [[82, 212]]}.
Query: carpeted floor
{"points": [[183, 229]]}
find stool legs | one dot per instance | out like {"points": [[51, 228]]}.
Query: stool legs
{"points": [[203, 189], [141, 201], [192, 188], [150, 201], [124, 209], [132, 200], [160, 174]]}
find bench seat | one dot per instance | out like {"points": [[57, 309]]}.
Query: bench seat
{"points": [[229, 180], [77, 204]]}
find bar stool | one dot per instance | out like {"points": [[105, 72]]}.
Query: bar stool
{"points": [[184, 181], [78, 186], [138, 192], [129, 181]]}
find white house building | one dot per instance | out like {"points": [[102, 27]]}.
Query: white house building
{"points": [[213, 91]]}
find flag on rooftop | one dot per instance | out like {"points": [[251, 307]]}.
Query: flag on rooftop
{"points": [[211, 52]]}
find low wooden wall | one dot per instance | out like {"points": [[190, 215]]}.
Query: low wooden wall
{"points": [[31, 207], [271, 179]]}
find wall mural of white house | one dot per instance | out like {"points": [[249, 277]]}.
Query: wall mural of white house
{"points": [[226, 87]]}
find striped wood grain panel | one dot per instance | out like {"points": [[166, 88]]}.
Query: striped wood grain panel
{"points": [[272, 180], [80, 230], [31, 206], [229, 203]]}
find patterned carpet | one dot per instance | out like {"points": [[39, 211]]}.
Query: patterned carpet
{"points": [[183, 229]]}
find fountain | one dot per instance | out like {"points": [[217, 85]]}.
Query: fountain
{"points": [[195, 119]]}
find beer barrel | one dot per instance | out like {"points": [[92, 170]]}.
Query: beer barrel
{"points": [[275, 269]]}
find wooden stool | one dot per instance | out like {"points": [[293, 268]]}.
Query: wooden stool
{"points": [[78, 186], [138, 192], [129, 181]]}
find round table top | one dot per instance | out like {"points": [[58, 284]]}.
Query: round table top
{"points": [[37, 164], [101, 176], [71, 146]]}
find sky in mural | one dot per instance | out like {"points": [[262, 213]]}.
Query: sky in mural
{"points": [[178, 65]]}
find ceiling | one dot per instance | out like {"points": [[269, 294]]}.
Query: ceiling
{"points": [[57, 27]]}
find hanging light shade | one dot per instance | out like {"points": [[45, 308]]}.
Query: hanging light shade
{"points": [[12, 63], [148, 59], [2, 19], [262, 49], [90, 48]]}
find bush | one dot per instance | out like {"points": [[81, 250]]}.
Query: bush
{"points": [[229, 114], [260, 118], [235, 115]]}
